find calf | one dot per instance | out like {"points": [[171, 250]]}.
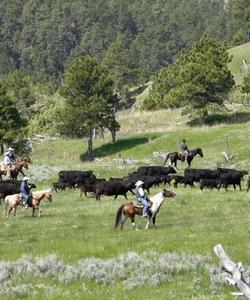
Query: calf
{"points": [[182, 180], [87, 188], [212, 183], [60, 186], [166, 179]]}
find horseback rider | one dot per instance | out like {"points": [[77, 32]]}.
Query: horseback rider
{"points": [[25, 191], [9, 160], [141, 197], [184, 150]]}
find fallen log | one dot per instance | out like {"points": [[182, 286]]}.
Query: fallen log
{"points": [[236, 271]]}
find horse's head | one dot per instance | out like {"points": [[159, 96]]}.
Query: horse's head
{"points": [[48, 195], [168, 194], [200, 152], [27, 159]]}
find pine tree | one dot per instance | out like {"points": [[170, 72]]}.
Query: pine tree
{"points": [[89, 99]]}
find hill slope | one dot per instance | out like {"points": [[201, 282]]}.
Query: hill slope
{"points": [[239, 54]]}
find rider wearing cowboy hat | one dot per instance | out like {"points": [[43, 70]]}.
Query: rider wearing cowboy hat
{"points": [[141, 197], [9, 160], [25, 191], [184, 150]]}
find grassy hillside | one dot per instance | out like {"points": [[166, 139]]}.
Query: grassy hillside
{"points": [[239, 54], [73, 252]]}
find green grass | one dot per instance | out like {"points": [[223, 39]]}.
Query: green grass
{"points": [[191, 224]]}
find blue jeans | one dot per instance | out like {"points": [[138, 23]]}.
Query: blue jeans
{"points": [[25, 198], [145, 207]]}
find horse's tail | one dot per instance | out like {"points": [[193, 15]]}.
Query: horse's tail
{"points": [[167, 157], [118, 216]]}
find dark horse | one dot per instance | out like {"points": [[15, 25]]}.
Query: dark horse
{"points": [[174, 156], [129, 210], [17, 168]]}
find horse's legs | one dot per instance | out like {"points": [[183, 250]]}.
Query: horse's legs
{"points": [[14, 210], [9, 211], [33, 211], [146, 227], [123, 220], [133, 222]]}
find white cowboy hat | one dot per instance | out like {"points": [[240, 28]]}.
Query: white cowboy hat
{"points": [[10, 149], [139, 182], [25, 178]]}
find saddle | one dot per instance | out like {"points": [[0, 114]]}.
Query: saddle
{"points": [[29, 202], [137, 204], [4, 168]]}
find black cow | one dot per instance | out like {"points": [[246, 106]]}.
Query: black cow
{"points": [[195, 175], [75, 177], [149, 181], [233, 178], [248, 184], [211, 183], [114, 188], [227, 170], [11, 187], [155, 170]]}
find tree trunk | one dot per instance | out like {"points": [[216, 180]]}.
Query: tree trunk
{"points": [[1, 149], [113, 135], [90, 145]]}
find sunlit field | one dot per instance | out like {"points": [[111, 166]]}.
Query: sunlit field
{"points": [[73, 250]]}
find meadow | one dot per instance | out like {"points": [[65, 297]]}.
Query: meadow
{"points": [[73, 251]]}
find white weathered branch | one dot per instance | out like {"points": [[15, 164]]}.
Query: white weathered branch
{"points": [[235, 270]]}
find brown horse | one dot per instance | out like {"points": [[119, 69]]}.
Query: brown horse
{"points": [[12, 201], [17, 167], [174, 156], [129, 210]]}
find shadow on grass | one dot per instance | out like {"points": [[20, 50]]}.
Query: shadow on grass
{"points": [[118, 146], [235, 118]]}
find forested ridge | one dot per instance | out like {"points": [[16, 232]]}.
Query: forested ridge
{"points": [[62, 61], [42, 37]]}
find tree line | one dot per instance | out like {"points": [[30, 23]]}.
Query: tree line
{"points": [[134, 38], [65, 66]]}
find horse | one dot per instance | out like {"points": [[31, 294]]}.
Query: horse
{"points": [[12, 201], [28, 159], [174, 156], [129, 210], [17, 168]]}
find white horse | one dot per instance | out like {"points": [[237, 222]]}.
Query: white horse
{"points": [[129, 210]]}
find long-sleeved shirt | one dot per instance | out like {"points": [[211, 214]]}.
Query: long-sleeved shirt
{"points": [[9, 158], [139, 192], [24, 188], [183, 146]]}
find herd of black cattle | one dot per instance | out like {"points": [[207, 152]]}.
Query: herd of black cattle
{"points": [[87, 182]]}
